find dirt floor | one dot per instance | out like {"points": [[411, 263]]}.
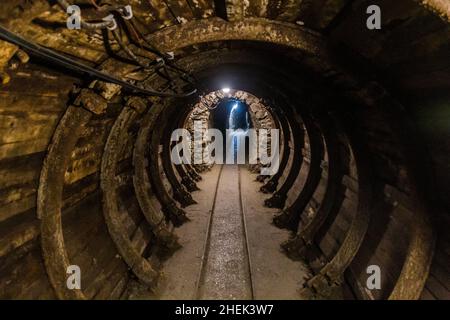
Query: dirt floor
{"points": [[230, 249]]}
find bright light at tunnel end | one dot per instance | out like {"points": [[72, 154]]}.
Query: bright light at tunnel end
{"points": [[190, 150], [206, 146]]}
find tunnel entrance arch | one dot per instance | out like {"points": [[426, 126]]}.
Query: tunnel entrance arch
{"points": [[241, 113]]}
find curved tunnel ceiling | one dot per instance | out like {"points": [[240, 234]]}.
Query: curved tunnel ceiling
{"points": [[87, 177]]}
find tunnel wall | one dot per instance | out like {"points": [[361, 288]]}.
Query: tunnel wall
{"points": [[411, 59], [28, 122]]}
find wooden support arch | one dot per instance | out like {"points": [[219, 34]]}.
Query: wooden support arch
{"points": [[49, 199], [140, 266]]}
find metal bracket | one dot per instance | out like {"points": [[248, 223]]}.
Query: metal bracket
{"points": [[126, 12], [110, 18]]}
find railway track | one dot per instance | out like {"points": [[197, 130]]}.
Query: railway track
{"points": [[230, 248], [226, 271]]}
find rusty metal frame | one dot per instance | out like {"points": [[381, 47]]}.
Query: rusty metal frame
{"points": [[290, 217], [278, 199], [334, 195], [179, 193], [271, 185], [330, 277], [169, 207], [49, 199], [186, 179], [143, 188], [140, 266]]}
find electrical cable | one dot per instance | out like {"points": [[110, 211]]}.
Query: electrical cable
{"points": [[153, 50], [127, 50], [108, 23], [61, 60]]}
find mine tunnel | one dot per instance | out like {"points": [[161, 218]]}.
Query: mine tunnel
{"points": [[355, 114]]}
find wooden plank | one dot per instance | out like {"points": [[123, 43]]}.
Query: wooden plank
{"points": [[17, 278], [85, 158], [29, 230], [113, 277], [118, 290], [21, 148], [290, 10], [76, 43], [20, 170], [236, 9], [21, 127], [329, 245], [81, 223], [202, 9], [437, 289], [13, 208], [161, 13], [180, 9], [427, 295], [94, 258], [11, 102], [318, 14], [40, 81], [131, 214], [38, 290], [141, 237], [18, 236]]}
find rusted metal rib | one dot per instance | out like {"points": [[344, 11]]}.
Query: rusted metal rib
{"points": [[418, 260], [180, 194], [290, 217], [49, 199], [279, 197], [141, 157], [332, 200], [143, 188], [332, 274], [186, 179], [141, 267], [272, 184], [256, 29]]}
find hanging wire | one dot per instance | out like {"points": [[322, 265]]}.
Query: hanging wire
{"points": [[52, 56], [94, 3], [163, 67], [165, 64], [107, 23]]}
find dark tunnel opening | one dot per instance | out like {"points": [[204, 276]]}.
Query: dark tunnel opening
{"points": [[231, 117]]}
